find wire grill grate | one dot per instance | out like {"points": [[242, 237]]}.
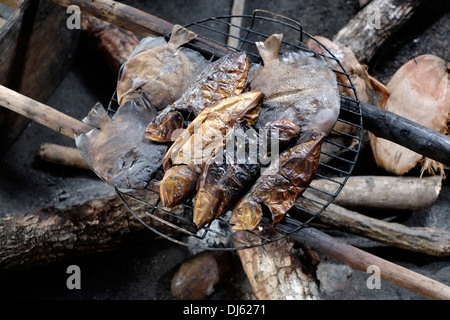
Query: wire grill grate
{"points": [[338, 157]]}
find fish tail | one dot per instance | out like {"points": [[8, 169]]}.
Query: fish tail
{"points": [[181, 35], [269, 49]]}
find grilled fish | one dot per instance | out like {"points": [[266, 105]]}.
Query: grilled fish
{"points": [[299, 87], [221, 79], [187, 156], [223, 182], [278, 191], [163, 70], [116, 148]]}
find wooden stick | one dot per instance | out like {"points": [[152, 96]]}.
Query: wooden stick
{"points": [[365, 33], [383, 192], [40, 113], [430, 241], [361, 260], [410, 134], [122, 15], [234, 31], [65, 156]]}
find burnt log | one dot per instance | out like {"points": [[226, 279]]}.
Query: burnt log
{"points": [[395, 128], [366, 32], [52, 234]]}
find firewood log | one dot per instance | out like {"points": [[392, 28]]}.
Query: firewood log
{"points": [[381, 193], [61, 155], [366, 32], [360, 260], [51, 234], [276, 272], [430, 241]]}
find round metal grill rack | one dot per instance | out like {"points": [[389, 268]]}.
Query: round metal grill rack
{"points": [[338, 156]]}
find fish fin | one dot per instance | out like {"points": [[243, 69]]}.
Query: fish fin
{"points": [[97, 116], [181, 35], [269, 49]]}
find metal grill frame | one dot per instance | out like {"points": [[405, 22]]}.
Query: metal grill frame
{"points": [[220, 229]]}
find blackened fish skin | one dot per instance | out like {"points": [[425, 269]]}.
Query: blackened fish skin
{"points": [[116, 148]]}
